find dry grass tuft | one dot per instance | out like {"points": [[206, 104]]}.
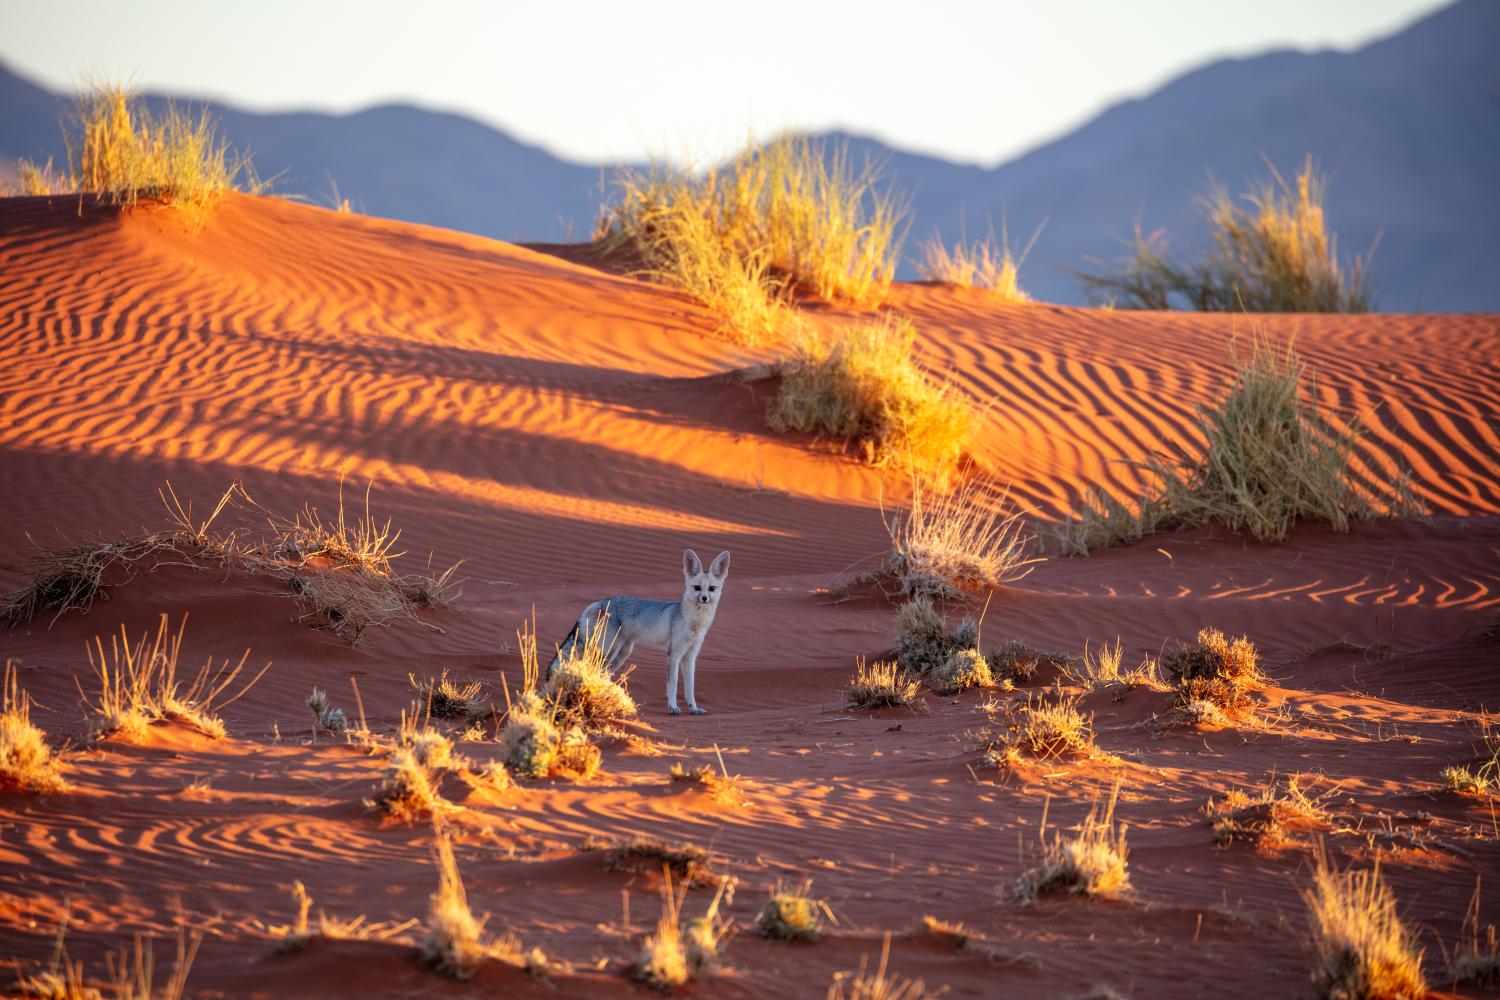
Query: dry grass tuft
{"points": [[1020, 663], [1271, 819], [676, 955], [302, 931], [1043, 727], [1482, 775], [967, 539], [1214, 670], [983, 264], [538, 739], [1101, 669], [881, 685], [138, 685], [455, 944], [1273, 255], [962, 670], [26, 761], [720, 784], [1092, 863], [132, 973], [1359, 946], [445, 699], [880, 984], [793, 915], [581, 685], [691, 863], [867, 390], [326, 718], [120, 152], [923, 640], [63, 980], [1270, 460], [1476, 959]]}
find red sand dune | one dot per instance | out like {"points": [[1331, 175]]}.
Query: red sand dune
{"points": [[567, 432]]}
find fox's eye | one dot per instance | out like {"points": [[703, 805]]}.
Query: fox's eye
{"points": [[696, 587], [713, 588]]}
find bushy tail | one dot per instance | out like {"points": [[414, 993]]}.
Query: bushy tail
{"points": [[567, 643]]}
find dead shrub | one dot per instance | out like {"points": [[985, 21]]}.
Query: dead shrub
{"points": [[881, 685], [1271, 819], [793, 914], [26, 761], [1360, 948], [1214, 669], [692, 864], [1094, 862]]}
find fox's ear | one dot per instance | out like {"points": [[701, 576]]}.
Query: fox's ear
{"points": [[691, 564], [721, 565]]}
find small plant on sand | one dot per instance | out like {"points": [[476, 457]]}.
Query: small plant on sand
{"points": [[1043, 727], [982, 264], [26, 761], [881, 984], [456, 943], [1020, 663], [1476, 959], [962, 670], [793, 914], [138, 685], [1360, 948], [581, 685], [132, 973], [923, 639], [867, 390], [302, 931], [722, 786], [676, 955], [1092, 863], [1481, 776], [326, 718], [537, 739], [63, 980], [408, 790], [881, 685], [691, 863], [446, 699], [121, 152], [1273, 255], [1214, 670], [1101, 669], [967, 539], [1270, 460], [1271, 819]]}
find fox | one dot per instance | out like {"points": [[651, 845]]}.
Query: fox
{"points": [[679, 627]]}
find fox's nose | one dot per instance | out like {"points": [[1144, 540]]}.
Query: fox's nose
{"points": [[702, 598]]}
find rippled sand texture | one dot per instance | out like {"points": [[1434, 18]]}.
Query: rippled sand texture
{"points": [[567, 432]]}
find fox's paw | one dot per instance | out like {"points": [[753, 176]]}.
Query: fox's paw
{"points": [[673, 710], [698, 711]]}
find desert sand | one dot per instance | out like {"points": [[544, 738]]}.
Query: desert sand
{"points": [[566, 432]]}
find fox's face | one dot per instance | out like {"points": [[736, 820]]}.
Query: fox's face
{"points": [[703, 586]]}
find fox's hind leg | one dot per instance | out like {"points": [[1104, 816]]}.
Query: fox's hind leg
{"points": [[674, 662]]}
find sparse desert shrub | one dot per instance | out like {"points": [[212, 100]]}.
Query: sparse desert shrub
{"points": [[446, 699], [581, 685], [793, 915], [923, 641], [867, 390], [675, 954], [138, 685], [1020, 662], [962, 670], [983, 264], [121, 152], [1481, 776], [1092, 863], [1101, 669], [796, 215], [407, 791], [1276, 255], [530, 739], [1476, 959], [1271, 819], [326, 718], [63, 980], [1360, 948], [1215, 670], [967, 539], [132, 973], [26, 761], [720, 784], [302, 931], [881, 685], [691, 863], [878, 985], [455, 943], [1270, 460], [1043, 726]]}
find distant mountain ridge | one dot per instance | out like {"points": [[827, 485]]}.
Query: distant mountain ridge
{"points": [[1408, 127]]}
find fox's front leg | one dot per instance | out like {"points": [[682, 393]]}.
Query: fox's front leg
{"points": [[674, 661], [689, 670]]}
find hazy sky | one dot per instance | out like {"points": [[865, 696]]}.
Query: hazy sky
{"points": [[595, 81]]}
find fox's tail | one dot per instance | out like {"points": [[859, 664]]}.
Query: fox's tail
{"points": [[565, 644]]}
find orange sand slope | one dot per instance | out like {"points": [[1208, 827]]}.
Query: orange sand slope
{"points": [[567, 432]]}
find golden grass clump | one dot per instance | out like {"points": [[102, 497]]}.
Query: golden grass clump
{"points": [[538, 738], [1272, 254], [1102, 669], [121, 152], [1360, 948], [983, 264], [962, 670], [1020, 662], [882, 684], [793, 915], [867, 390], [138, 685], [446, 699], [1214, 670], [1476, 959], [722, 786], [882, 984], [1092, 863], [303, 931], [691, 863], [1043, 727], [677, 954], [1270, 460], [581, 686], [63, 979], [1482, 776], [408, 790], [967, 539], [132, 973], [26, 761], [1271, 819], [790, 217], [923, 639]]}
